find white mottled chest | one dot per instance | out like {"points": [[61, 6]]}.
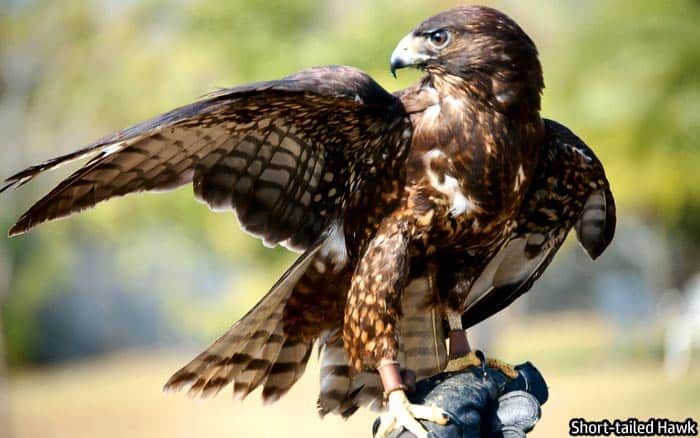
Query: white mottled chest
{"points": [[445, 182], [438, 166]]}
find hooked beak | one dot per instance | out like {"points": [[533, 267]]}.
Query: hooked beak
{"points": [[408, 53]]}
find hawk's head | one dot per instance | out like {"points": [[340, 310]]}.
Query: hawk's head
{"points": [[480, 45]]}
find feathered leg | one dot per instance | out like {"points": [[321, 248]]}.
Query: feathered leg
{"points": [[372, 314]]}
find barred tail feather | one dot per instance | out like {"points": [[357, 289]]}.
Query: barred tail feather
{"points": [[343, 392], [247, 353], [263, 354], [421, 331], [335, 375], [287, 369]]}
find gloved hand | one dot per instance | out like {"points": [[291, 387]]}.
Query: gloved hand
{"points": [[481, 402]]}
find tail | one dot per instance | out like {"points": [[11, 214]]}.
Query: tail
{"points": [[423, 351], [254, 351], [342, 391]]}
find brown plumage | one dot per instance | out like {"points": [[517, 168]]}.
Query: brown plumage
{"points": [[569, 190], [451, 196]]}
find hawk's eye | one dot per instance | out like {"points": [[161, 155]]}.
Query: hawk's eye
{"points": [[439, 38]]}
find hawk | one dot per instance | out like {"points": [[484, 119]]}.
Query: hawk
{"points": [[419, 213]]}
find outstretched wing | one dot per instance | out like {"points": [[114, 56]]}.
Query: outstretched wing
{"points": [[570, 189], [281, 154]]}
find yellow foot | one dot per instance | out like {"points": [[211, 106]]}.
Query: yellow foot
{"points": [[503, 367], [401, 413], [462, 363], [472, 360]]}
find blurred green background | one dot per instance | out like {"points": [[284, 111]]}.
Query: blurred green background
{"points": [[97, 311]]}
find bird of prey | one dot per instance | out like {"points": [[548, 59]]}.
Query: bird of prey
{"points": [[419, 213]]}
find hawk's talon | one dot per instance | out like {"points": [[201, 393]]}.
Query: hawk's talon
{"points": [[503, 367], [402, 413], [469, 360], [482, 358]]}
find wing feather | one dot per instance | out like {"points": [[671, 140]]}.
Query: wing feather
{"points": [[511, 273], [277, 153], [569, 189], [247, 351]]}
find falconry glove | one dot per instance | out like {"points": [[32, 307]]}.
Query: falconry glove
{"points": [[482, 402]]}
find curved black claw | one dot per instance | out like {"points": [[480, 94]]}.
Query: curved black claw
{"points": [[482, 357]]}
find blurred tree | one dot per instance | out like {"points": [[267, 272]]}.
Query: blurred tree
{"points": [[4, 390], [631, 84]]}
